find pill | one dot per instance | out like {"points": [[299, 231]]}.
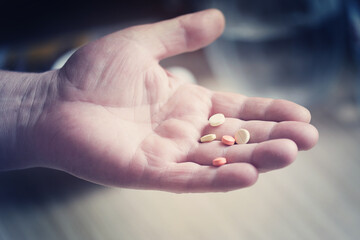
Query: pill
{"points": [[228, 140], [217, 119], [217, 162], [242, 136], [208, 138]]}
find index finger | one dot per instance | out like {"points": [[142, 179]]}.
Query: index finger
{"points": [[255, 108]]}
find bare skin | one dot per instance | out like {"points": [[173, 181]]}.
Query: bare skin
{"points": [[112, 115]]}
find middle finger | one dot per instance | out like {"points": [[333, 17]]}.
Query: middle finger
{"points": [[303, 134]]}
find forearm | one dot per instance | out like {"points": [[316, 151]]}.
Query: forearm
{"points": [[22, 100]]}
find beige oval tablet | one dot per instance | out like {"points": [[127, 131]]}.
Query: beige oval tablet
{"points": [[242, 136], [208, 138], [217, 119]]}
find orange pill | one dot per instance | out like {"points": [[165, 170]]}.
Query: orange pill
{"points": [[217, 162], [228, 140]]}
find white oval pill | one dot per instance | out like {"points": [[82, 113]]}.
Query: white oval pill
{"points": [[217, 119], [208, 138], [242, 136]]}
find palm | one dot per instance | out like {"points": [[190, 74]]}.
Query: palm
{"points": [[130, 123]]}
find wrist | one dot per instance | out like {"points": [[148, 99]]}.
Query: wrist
{"points": [[22, 99]]}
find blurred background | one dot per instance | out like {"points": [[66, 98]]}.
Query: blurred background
{"points": [[307, 51]]}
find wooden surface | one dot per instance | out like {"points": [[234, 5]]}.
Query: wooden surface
{"points": [[317, 197]]}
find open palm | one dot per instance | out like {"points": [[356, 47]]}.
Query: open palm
{"points": [[120, 119]]}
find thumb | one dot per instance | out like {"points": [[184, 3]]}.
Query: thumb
{"points": [[178, 35]]}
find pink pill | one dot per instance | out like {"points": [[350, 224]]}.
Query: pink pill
{"points": [[228, 140], [217, 162]]}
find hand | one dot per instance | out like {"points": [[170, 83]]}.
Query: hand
{"points": [[116, 117]]}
